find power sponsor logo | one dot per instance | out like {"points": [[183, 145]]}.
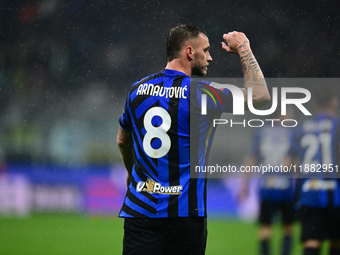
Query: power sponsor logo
{"points": [[319, 184], [153, 187]]}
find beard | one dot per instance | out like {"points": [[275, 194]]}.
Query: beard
{"points": [[199, 69]]}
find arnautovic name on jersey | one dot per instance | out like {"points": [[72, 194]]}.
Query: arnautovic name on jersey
{"points": [[157, 90], [151, 186]]}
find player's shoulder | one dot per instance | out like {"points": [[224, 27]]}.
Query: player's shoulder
{"points": [[204, 83], [146, 79], [211, 86]]}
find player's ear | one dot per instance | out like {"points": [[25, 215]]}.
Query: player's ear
{"points": [[190, 52]]}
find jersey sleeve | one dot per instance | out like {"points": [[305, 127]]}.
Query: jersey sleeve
{"points": [[125, 119], [219, 100]]}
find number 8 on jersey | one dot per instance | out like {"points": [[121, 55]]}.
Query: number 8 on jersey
{"points": [[157, 132]]}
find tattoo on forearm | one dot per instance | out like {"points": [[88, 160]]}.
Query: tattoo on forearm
{"points": [[250, 66], [243, 45]]}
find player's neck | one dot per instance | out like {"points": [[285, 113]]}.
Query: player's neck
{"points": [[178, 65]]}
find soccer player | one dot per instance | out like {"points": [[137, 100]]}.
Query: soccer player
{"points": [[276, 193], [316, 143], [165, 209]]}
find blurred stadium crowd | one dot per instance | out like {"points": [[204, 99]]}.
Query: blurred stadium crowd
{"points": [[65, 66]]}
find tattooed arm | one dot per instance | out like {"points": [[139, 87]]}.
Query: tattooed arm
{"points": [[238, 43]]}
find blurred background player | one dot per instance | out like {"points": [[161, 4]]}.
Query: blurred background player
{"points": [[316, 145], [276, 193]]}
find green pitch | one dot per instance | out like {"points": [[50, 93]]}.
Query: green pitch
{"points": [[73, 234]]}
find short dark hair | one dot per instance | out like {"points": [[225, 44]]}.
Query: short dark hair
{"points": [[177, 36]]}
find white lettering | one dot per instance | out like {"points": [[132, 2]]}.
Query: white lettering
{"points": [[292, 120], [258, 120], [238, 123], [150, 89], [219, 121], [156, 90], [145, 87], [158, 188], [139, 90], [261, 112], [140, 186], [177, 92], [184, 89], [238, 100], [171, 92], [297, 101], [272, 120]]}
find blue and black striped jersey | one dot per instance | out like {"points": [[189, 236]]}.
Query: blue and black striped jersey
{"points": [[316, 144], [270, 146], [157, 112]]}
